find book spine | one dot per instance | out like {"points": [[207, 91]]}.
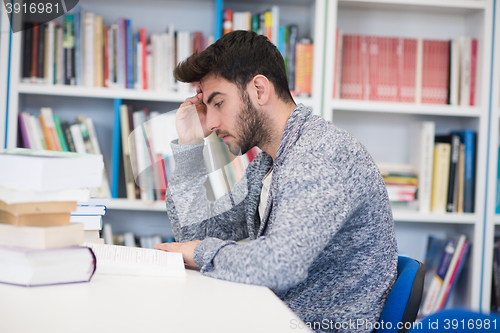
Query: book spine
{"points": [[455, 276], [24, 131], [473, 72], [46, 133], [465, 74], [125, 131], [438, 278], [41, 55], [121, 54], [69, 49], [451, 205], [89, 50], [115, 153], [454, 72], [34, 53], [303, 69], [419, 71], [374, 45], [27, 49], [129, 55], [98, 63], [67, 133], [143, 53], [105, 60], [426, 166], [60, 133], [78, 45], [51, 52], [440, 177], [291, 57], [59, 56]]}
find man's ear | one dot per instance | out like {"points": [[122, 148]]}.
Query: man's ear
{"points": [[260, 87]]}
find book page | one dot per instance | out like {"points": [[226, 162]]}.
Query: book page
{"points": [[123, 260]]}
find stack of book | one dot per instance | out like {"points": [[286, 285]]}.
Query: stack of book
{"points": [[90, 215], [47, 131], [38, 192], [406, 70], [445, 166], [81, 49], [401, 182], [297, 53], [442, 274]]}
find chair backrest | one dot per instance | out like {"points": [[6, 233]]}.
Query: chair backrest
{"points": [[403, 302]]}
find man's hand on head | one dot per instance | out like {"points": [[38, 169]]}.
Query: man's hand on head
{"points": [[190, 121], [187, 250]]}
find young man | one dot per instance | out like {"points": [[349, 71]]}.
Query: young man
{"points": [[313, 202]]}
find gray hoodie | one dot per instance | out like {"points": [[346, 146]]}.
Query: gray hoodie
{"points": [[326, 243]]}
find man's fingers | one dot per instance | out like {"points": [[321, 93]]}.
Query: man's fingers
{"points": [[164, 247]]}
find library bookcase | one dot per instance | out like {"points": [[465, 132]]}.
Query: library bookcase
{"points": [[382, 127]]}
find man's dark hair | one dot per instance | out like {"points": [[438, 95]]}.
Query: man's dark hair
{"points": [[238, 56]]}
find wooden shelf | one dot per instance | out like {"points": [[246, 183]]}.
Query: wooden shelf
{"points": [[451, 218], [125, 204], [405, 108]]}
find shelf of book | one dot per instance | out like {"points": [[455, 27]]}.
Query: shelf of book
{"points": [[451, 218], [406, 108], [92, 92], [125, 204]]}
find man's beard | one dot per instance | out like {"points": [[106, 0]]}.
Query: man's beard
{"points": [[252, 128]]}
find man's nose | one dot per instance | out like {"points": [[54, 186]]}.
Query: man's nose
{"points": [[212, 120]]}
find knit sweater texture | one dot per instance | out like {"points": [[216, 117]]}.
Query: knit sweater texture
{"points": [[326, 244]]}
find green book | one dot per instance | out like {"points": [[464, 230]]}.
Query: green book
{"points": [[60, 133]]}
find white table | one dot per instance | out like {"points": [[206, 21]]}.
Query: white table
{"points": [[142, 305]]}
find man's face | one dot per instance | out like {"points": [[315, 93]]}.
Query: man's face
{"points": [[231, 113]]}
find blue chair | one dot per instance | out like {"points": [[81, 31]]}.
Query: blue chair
{"points": [[458, 320], [402, 304]]}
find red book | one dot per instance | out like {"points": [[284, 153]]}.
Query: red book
{"points": [[436, 57], [373, 56], [142, 36], [336, 63], [473, 70], [407, 67], [352, 76], [387, 88], [105, 55], [34, 52]]}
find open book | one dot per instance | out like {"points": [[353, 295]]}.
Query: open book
{"points": [[124, 260]]}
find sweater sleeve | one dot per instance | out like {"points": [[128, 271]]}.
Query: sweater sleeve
{"points": [[191, 214], [312, 207]]}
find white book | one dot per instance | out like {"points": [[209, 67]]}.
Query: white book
{"points": [[30, 267], [44, 170], [465, 73], [40, 237], [59, 56], [165, 68], [34, 132], [76, 134], [139, 84], [111, 56], [275, 10], [455, 72], [149, 68], [90, 234], [156, 44], [90, 222], [89, 50], [50, 53], [419, 71], [421, 157], [89, 210], [141, 173], [13, 196], [124, 260]]}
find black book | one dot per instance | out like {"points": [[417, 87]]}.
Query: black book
{"points": [[454, 141], [67, 133], [40, 67], [28, 47]]}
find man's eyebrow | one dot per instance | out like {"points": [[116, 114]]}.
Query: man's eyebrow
{"points": [[212, 95]]}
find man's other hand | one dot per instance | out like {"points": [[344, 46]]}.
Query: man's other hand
{"points": [[190, 120], [187, 250]]}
